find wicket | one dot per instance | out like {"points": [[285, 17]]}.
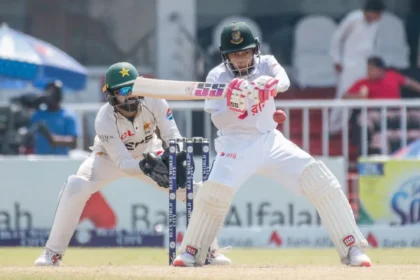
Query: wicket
{"points": [[173, 147]]}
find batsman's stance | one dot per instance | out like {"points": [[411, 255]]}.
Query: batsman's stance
{"points": [[249, 143], [125, 145]]}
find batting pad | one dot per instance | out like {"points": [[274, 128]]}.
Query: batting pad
{"points": [[210, 208], [322, 188]]}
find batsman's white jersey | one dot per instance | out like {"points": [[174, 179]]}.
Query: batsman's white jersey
{"points": [[259, 117], [249, 143]]}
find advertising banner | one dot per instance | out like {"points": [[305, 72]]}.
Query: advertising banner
{"points": [[389, 192], [378, 236], [83, 238], [30, 189], [129, 212]]}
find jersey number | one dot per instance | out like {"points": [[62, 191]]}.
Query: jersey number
{"points": [[132, 145]]}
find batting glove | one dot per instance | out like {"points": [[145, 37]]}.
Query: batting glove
{"points": [[263, 88], [237, 95]]}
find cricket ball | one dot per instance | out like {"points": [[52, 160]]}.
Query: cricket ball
{"points": [[279, 116]]}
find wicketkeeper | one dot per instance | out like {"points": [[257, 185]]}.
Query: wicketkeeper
{"points": [[125, 145]]}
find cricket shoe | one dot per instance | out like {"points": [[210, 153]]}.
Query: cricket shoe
{"points": [[217, 258], [358, 258], [48, 258]]}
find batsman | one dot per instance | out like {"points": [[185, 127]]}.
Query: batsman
{"points": [[247, 132], [125, 145]]}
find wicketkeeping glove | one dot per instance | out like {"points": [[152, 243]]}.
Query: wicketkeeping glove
{"points": [[263, 88], [154, 167], [237, 95]]}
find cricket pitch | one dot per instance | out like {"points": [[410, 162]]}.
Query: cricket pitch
{"points": [[106, 264]]}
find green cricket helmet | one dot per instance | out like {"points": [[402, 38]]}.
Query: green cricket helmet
{"points": [[237, 37], [119, 81]]}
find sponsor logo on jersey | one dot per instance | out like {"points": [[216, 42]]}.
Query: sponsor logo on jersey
{"points": [[147, 127], [229, 155], [169, 114], [126, 134], [132, 145], [105, 138], [257, 108]]}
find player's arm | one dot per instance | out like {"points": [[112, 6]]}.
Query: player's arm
{"points": [[107, 132], [151, 166], [278, 72], [169, 130], [268, 86], [339, 38], [165, 121]]}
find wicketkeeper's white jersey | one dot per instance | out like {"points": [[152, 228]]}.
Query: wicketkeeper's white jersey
{"points": [[125, 141], [259, 117]]}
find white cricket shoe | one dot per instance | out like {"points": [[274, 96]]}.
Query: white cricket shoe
{"points": [[184, 260], [48, 258], [217, 258], [358, 258]]}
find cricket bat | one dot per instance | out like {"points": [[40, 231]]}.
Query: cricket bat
{"points": [[178, 90]]}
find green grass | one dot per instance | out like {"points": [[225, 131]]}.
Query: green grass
{"points": [[105, 264]]}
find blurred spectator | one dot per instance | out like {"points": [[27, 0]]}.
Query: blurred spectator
{"points": [[55, 128], [352, 43], [380, 83]]}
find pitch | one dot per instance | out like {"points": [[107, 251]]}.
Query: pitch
{"points": [[106, 264]]}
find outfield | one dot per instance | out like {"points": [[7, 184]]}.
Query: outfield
{"points": [[105, 264]]}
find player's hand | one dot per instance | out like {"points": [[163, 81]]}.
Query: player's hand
{"points": [[155, 168], [237, 95], [181, 167], [263, 88]]}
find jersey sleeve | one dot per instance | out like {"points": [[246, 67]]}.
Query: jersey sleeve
{"points": [[277, 71], [107, 132], [165, 121]]}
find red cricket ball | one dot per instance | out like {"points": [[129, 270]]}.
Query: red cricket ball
{"points": [[279, 116]]}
